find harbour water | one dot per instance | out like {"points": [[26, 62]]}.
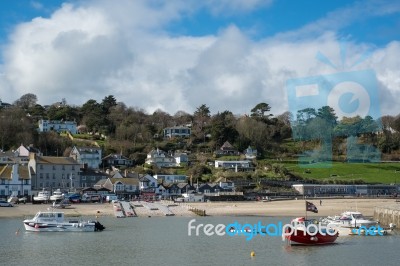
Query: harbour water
{"points": [[165, 241]]}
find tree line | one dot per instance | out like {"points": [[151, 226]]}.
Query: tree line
{"points": [[134, 132]]}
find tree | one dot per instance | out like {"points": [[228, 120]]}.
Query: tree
{"points": [[26, 101], [260, 109], [15, 128], [93, 116], [182, 118], [223, 128], [107, 103], [201, 117], [328, 114]]}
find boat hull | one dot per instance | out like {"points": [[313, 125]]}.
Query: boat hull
{"points": [[59, 227], [56, 198], [302, 238]]}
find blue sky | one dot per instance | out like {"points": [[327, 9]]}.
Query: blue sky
{"points": [[172, 55]]}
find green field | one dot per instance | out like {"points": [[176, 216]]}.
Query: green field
{"points": [[368, 172]]}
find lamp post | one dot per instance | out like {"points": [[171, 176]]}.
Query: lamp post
{"points": [[70, 177]]}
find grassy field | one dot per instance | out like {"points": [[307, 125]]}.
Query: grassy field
{"points": [[368, 172]]}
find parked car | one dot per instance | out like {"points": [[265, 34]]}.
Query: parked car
{"points": [[4, 203]]}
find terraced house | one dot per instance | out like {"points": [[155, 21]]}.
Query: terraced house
{"points": [[51, 173], [15, 179], [89, 156]]}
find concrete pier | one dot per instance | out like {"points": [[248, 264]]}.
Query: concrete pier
{"points": [[388, 214]]}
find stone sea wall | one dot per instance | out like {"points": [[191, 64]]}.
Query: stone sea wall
{"points": [[388, 214]]}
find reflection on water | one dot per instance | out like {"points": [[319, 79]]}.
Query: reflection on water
{"points": [[165, 241]]}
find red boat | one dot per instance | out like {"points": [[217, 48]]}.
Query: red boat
{"points": [[307, 232]]}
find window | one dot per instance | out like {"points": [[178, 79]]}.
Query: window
{"points": [[83, 177], [93, 178], [63, 167], [47, 175], [54, 167], [41, 176], [41, 166], [62, 176], [73, 167], [54, 176]]}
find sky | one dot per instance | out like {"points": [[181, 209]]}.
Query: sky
{"points": [[179, 54]]}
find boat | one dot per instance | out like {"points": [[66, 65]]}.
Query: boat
{"points": [[42, 196], [57, 195], [53, 221], [349, 219], [308, 232]]}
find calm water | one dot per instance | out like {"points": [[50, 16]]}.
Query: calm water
{"points": [[165, 241]]}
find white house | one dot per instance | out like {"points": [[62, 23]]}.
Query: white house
{"points": [[57, 125], [20, 155], [181, 157], [160, 159], [225, 184], [89, 156], [171, 178], [250, 153], [147, 181], [180, 131], [15, 179], [192, 197], [234, 165]]}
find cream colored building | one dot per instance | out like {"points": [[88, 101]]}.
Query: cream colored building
{"points": [[51, 172]]}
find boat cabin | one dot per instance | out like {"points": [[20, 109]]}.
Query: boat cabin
{"points": [[44, 217]]}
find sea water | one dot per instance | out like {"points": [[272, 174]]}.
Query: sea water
{"points": [[165, 241]]}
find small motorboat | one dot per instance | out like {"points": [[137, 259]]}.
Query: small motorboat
{"points": [[57, 195], [53, 221], [308, 232], [42, 196], [349, 219]]}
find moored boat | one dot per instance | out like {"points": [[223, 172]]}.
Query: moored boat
{"points": [[57, 195], [307, 232], [43, 196], [53, 221], [349, 219]]}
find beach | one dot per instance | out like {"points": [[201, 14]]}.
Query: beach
{"points": [[291, 208]]}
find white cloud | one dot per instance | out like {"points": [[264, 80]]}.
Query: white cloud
{"points": [[99, 48], [226, 7]]}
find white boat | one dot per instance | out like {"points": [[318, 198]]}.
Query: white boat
{"points": [[349, 219], [57, 195], [53, 221], [42, 196]]}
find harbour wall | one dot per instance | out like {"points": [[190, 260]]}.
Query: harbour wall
{"points": [[388, 214]]}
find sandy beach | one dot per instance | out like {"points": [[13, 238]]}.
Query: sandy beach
{"points": [[273, 208], [293, 207]]}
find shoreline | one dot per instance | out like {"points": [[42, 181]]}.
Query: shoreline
{"points": [[291, 208]]}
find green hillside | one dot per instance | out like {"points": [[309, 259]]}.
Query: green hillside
{"points": [[368, 172]]}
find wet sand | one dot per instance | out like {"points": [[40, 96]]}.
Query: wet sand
{"points": [[291, 208]]}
